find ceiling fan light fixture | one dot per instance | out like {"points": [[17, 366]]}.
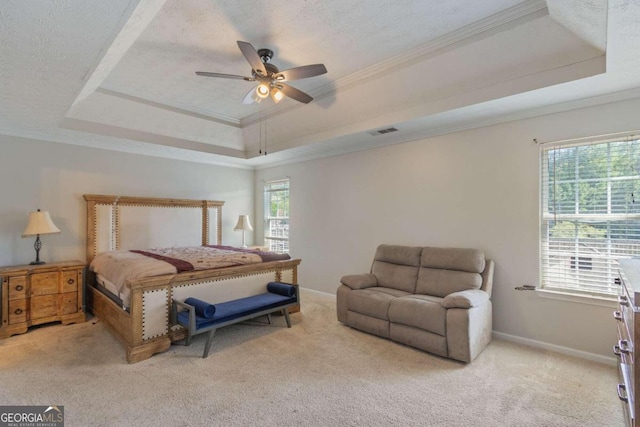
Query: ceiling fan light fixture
{"points": [[269, 77], [276, 95], [262, 90]]}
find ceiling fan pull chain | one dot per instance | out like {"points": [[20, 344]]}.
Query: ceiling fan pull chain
{"points": [[260, 142]]}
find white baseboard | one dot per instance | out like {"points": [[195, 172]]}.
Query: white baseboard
{"points": [[313, 291], [525, 341], [557, 348]]}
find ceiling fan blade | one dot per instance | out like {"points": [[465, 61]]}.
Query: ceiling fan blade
{"points": [[294, 93], [224, 76], [303, 72], [250, 97], [252, 57]]}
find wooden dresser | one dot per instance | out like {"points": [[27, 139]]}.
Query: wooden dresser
{"points": [[628, 320], [36, 294]]}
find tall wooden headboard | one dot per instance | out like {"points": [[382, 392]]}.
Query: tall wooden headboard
{"points": [[120, 222]]}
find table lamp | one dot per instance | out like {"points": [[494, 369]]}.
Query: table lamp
{"points": [[243, 224], [39, 223]]}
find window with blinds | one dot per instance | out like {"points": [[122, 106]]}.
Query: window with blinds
{"points": [[590, 202], [276, 215]]}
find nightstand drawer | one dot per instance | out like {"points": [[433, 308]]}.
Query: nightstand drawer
{"points": [[69, 282], [68, 303], [44, 283], [18, 311], [17, 287]]}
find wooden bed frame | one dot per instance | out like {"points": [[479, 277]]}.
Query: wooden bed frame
{"points": [[145, 328]]}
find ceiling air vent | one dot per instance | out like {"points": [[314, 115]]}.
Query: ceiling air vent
{"points": [[383, 131]]}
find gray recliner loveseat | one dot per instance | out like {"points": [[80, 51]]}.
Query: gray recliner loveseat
{"points": [[434, 299]]}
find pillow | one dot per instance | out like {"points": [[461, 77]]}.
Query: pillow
{"points": [[283, 289], [203, 308]]}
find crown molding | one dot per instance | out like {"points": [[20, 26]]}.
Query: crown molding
{"points": [[218, 118], [610, 98], [154, 138], [529, 113], [524, 11]]}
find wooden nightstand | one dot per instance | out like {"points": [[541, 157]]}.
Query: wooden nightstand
{"points": [[36, 294]]}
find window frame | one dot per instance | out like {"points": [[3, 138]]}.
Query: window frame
{"points": [[276, 243], [590, 266]]}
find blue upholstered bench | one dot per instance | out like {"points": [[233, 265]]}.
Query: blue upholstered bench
{"points": [[199, 316]]}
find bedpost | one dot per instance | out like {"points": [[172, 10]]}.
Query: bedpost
{"points": [[219, 230], [115, 225], [93, 201], [205, 223], [91, 226]]}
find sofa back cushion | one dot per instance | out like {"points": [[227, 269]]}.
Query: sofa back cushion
{"points": [[397, 267], [444, 271]]}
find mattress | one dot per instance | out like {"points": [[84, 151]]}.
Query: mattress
{"points": [[115, 270]]}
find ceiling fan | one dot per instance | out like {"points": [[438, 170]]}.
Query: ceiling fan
{"points": [[271, 81]]}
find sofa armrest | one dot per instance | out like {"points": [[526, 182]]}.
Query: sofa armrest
{"points": [[359, 281], [465, 299]]}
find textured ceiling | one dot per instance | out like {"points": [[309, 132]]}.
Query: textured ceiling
{"points": [[191, 35], [121, 74]]}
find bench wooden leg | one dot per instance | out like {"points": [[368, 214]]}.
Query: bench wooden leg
{"points": [[286, 317], [269, 318], [207, 346], [187, 340]]}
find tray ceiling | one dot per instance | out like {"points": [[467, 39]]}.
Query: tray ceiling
{"points": [[121, 74]]}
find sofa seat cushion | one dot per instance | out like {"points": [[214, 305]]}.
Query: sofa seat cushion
{"points": [[420, 311], [374, 301]]}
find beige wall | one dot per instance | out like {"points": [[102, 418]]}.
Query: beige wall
{"points": [[476, 188], [53, 177]]}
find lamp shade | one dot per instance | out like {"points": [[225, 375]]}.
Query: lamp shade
{"points": [[40, 223], [243, 223]]}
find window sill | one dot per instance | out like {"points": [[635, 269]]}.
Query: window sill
{"points": [[578, 298]]}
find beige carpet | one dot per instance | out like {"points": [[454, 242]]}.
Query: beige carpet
{"points": [[319, 373]]}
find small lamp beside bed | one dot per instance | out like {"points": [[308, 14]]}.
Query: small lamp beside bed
{"points": [[39, 223], [244, 225]]}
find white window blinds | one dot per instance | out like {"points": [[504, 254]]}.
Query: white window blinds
{"points": [[590, 202], [276, 215]]}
